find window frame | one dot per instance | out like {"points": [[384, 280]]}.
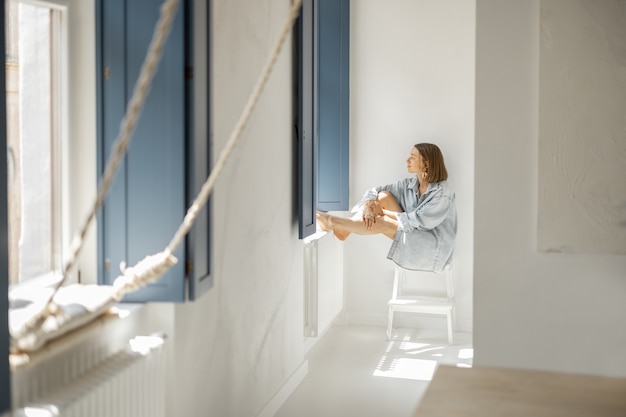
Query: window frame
{"points": [[60, 84], [60, 132]]}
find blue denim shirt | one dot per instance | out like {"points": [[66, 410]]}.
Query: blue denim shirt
{"points": [[427, 227]]}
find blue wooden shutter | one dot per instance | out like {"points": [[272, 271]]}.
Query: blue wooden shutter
{"points": [[5, 373], [112, 104], [333, 105], [199, 152], [147, 202], [323, 109], [305, 126]]}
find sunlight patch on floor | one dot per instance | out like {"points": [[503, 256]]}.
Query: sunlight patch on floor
{"points": [[400, 361], [406, 359], [467, 353], [407, 368]]}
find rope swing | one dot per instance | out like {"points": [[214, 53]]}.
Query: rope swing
{"points": [[31, 334]]}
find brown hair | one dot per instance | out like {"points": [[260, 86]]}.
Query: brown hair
{"points": [[436, 168]]}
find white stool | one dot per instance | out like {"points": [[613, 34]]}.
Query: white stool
{"points": [[423, 304]]}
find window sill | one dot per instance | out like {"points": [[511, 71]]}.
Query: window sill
{"points": [[319, 234], [62, 360], [106, 324]]}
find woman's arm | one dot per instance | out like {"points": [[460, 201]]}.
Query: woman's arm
{"points": [[391, 214], [370, 195], [370, 210], [385, 207], [379, 201]]}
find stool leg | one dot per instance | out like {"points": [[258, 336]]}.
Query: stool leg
{"points": [[397, 276], [455, 323], [450, 333]]}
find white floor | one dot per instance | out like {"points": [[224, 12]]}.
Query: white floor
{"points": [[355, 371]]}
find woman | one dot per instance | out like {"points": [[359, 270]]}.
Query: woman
{"points": [[417, 213]]}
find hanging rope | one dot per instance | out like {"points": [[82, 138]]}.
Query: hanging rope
{"points": [[152, 267], [206, 189]]}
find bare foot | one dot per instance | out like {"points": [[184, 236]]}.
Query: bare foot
{"points": [[323, 219], [341, 235]]}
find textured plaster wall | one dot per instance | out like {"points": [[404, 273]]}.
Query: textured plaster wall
{"points": [[533, 310], [238, 344], [582, 128]]}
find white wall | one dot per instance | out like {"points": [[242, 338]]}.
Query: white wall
{"points": [[412, 80], [532, 310], [239, 343]]}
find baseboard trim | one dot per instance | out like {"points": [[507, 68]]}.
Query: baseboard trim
{"points": [[380, 320], [272, 407]]}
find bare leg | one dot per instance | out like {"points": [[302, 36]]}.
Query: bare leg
{"points": [[342, 226], [388, 202]]}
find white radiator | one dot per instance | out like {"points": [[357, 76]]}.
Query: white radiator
{"points": [[129, 383]]}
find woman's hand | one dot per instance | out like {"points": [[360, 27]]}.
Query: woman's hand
{"points": [[371, 210]]}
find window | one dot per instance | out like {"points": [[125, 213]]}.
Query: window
{"points": [[35, 139], [169, 151], [194, 166], [168, 159], [323, 56]]}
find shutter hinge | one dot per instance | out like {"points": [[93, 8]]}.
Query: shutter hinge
{"points": [[188, 73], [106, 73], [107, 265], [188, 268]]}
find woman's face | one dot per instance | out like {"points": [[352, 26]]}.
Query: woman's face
{"points": [[415, 163]]}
